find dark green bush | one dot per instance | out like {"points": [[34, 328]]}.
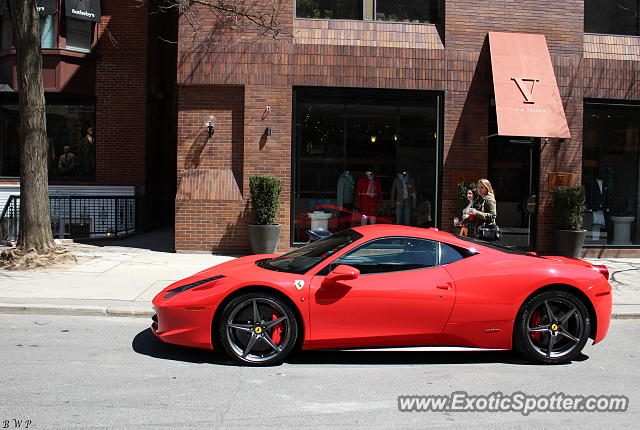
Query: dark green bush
{"points": [[568, 207], [265, 198], [462, 192]]}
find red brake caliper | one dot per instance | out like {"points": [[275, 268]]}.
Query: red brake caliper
{"points": [[535, 321], [276, 331]]}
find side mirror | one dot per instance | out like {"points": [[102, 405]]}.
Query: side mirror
{"points": [[342, 273]]}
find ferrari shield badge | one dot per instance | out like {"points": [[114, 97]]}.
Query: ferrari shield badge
{"points": [[299, 283]]}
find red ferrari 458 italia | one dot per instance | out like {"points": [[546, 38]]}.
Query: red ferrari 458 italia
{"points": [[389, 286]]}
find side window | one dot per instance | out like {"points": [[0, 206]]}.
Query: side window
{"points": [[449, 254], [392, 254]]}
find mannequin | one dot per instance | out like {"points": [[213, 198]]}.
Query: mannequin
{"points": [[596, 193], [403, 196], [369, 197], [86, 154], [346, 190]]}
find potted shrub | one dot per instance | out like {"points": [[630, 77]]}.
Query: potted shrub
{"points": [[568, 213], [265, 200]]}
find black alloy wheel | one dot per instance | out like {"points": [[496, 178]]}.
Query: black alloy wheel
{"points": [[552, 327], [258, 329]]}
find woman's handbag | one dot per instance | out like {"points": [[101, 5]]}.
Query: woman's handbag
{"points": [[490, 233]]}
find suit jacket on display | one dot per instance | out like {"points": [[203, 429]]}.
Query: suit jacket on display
{"points": [[397, 196], [346, 189]]}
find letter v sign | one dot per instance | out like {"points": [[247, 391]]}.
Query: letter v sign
{"points": [[526, 92]]}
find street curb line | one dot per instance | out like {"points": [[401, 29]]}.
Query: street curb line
{"points": [[115, 311], [626, 316], [71, 310]]}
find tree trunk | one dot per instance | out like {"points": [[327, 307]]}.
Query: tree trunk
{"points": [[35, 218]]}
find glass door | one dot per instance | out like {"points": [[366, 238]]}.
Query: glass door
{"points": [[513, 172]]}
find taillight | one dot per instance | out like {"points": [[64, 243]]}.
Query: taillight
{"points": [[602, 269]]}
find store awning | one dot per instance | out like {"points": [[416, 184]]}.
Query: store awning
{"points": [[47, 7], [83, 9], [526, 92]]}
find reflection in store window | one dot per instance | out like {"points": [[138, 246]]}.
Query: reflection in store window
{"points": [[70, 136], [414, 11], [363, 157], [610, 173], [79, 35], [47, 33], [334, 9], [612, 17]]}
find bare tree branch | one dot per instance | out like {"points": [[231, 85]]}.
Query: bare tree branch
{"points": [[250, 19]]}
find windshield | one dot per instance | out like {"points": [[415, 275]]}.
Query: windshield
{"points": [[505, 249], [304, 258]]}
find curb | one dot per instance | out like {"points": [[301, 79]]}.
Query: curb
{"points": [[625, 316], [139, 312], [71, 310]]}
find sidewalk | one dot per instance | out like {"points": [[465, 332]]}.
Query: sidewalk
{"points": [[120, 278]]}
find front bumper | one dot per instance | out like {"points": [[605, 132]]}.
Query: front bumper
{"points": [[180, 325]]}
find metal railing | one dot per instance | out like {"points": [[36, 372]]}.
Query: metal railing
{"points": [[78, 217]]}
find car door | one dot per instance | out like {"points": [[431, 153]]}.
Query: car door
{"points": [[402, 296]]}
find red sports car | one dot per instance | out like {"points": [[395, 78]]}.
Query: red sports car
{"points": [[389, 286]]}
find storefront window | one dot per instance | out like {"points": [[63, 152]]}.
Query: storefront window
{"points": [[47, 34], [334, 9], [363, 157], [407, 11], [611, 159], [415, 11], [79, 35], [612, 16], [70, 135], [6, 32]]}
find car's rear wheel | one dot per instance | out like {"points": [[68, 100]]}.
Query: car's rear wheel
{"points": [[552, 327], [258, 329]]}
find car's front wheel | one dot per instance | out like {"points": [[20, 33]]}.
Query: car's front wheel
{"points": [[258, 329], [552, 327]]}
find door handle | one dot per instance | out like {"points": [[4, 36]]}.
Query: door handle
{"points": [[445, 286]]}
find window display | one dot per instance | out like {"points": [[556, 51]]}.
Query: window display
{"points": [[403, 197], [70, 136], [363, 157], [611, 158]]}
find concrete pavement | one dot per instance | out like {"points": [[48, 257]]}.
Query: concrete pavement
{"points": [[111, 278], [119, 278]]}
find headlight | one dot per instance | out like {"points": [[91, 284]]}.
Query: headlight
{"points": [[172, 292]]}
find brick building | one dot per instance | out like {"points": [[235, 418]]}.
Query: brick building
{"points": [[101, 100], [388, 88], [360, 86]]}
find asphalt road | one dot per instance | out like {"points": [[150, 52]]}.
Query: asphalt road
{"points": [[60, 372]]}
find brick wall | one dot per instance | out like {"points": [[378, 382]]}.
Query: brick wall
{"points": [[121, 90], [457, 65], [212, 220], [223, 163]]}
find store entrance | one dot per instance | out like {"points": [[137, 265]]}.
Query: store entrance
{"points": [[514, 173]]}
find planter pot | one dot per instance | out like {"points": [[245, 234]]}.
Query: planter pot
{"points": [[264, 238], [568, 243]]}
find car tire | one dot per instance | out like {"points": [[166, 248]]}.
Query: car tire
{"points": [[258, 329], [552, 327]]}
